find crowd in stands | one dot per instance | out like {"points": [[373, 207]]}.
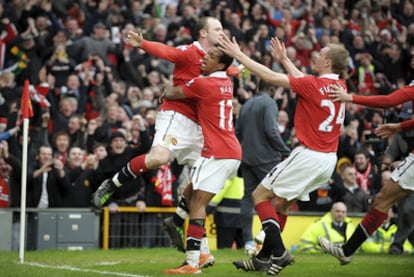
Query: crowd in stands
{"points": [[95, 98]]}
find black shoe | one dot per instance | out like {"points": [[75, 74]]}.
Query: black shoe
{"points": [[102, 194], [279, 263], [253, 264], [175, 232]]}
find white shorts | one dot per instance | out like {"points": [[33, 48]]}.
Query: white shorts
{"points": [[179, 134], [210, 174], [304, 171], [404, 173]]}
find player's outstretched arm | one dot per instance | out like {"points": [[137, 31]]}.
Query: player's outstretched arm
{"points": [[231, 48], [279, 52], [153, 48]]}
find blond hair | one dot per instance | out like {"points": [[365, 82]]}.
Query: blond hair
{"points": [[339, 57]]}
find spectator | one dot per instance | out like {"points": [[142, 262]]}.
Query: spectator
{"points": [[80, 171], [367, 172], [7, 134], [48, 181], [225, 207], [60, 65], [283, 126], [5, 173], [76, 130], [354, 197], [61, 142], [334, 225], [10, 178], [349, 142], [98, 44], [263, 148]]}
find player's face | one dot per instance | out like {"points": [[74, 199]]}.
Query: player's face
{"points": [[210, 62], [320, 60], [214, 30]]}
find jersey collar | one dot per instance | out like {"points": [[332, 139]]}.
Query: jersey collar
{"points": [[218, 74], [198, 45], [330, 76]]}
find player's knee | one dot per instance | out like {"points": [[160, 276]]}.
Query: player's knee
{"points": [[158, 157]]}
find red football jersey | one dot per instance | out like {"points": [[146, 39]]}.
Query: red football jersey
{"points": [[187, 60], [214, 95], [318, 120]]}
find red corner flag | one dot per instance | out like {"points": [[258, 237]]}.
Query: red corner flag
{"points": [[25, 103]]}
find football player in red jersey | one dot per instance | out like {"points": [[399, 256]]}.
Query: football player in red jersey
{"points": [[177, 131], [318, 122], [221, 152], [394, 189]]}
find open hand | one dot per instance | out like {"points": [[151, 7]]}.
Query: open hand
{"points": [[278, 49], [230, 47], [135, 39], [339, 93], [386, 130]]}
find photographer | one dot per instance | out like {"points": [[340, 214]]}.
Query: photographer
{"points": [[47, 185]]}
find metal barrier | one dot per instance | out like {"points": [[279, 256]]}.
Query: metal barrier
{"points": [[81, 228], [131, 228]]}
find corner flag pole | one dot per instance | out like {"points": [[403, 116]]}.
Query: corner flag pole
{"points": [[23, 191], [27, 112]]}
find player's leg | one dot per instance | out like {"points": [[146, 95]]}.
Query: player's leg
{"points": [[157, 156], [160, 154], [390, 193], [174, 225], [395, 188], [208, 179], [186, 150]]}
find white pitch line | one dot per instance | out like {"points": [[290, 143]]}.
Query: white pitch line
{"points": [[71, 268]]}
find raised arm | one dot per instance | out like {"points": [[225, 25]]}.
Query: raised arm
{"points": [[231, 48], [156, 49], [279, 52]]}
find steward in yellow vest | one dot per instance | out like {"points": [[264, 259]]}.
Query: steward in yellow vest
{"points": [[334, 225]]}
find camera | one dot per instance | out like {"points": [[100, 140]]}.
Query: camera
{"points": [[372, 138]]}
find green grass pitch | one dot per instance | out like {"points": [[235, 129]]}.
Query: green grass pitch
{"points": [[152, 262]]}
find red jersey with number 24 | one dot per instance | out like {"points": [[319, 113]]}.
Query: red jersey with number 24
{"points": [[214, 96], [318, 120]]}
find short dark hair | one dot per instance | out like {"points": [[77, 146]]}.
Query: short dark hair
{"points": [[225, 59]]}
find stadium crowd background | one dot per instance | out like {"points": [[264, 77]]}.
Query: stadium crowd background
{"points": [[89, 88]]}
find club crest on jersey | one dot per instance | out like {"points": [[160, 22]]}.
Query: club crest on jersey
{"points": [[189, 83]]}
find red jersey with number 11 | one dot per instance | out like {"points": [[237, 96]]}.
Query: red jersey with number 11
{"points": [[318, 120], [214, 95]]}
